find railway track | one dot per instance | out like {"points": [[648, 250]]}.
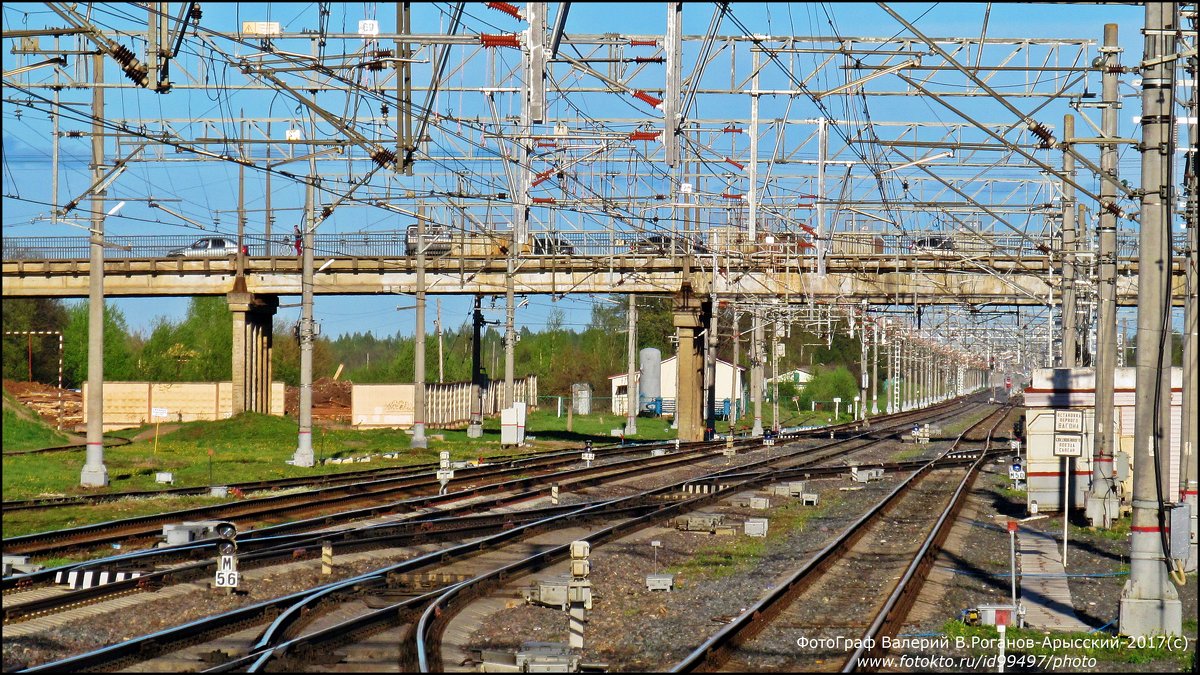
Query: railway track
{"points": [[440, 529], [868, 576]]}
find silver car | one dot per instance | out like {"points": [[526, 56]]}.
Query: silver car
{"points": [[208, 247]]}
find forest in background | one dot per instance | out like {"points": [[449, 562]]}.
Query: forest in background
{"points": [[198, 348]]}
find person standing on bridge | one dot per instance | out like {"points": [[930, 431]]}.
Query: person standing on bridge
{"points": [[296, 236]]}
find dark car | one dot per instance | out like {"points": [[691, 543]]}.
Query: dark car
{"points": [[938, 244], [665, 245], [550, 244]]}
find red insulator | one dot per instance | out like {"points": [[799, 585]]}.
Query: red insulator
{"points": [[643, 43], [733, 130], [503, 40], [647, 98], [645, 135], [545, 200], [547, 144], [730, 195], [508, 9], [542, 177], [735, 163]]}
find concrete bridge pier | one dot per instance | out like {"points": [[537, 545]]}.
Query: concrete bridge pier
{"points": [[690, 315], [252, 342]]}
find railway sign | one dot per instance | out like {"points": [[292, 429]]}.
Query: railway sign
{"points": [[160, 413], [1016, 471], [1068, 446], [1070, 421], [227, 574]]}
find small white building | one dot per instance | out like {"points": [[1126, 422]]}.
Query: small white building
{"points": [[798, 377], [729, 386]]}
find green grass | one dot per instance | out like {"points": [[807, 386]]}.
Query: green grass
{"points": [[23, 434], [253, 447], [1118, 532], [22, 522], [1095, 645], [726, 557], [1002, 487]]}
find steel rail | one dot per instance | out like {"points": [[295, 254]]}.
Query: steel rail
{"points": [[717, 649]]}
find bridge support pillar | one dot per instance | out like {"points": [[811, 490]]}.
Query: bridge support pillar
{"points": [[690, 314], [252, 343]]}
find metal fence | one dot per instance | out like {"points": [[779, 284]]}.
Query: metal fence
{"points": [[395, 244]]}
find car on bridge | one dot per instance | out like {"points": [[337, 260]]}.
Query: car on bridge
{"points": [[550, 244], [940, 245], [665, 245], [437, 240], [209, 247]]}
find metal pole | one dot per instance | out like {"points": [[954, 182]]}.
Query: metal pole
{"points": [[475, 427], [631, 383], [775, 379], [1069, 347], [304, 450], [1149, 602], [95, 473], [437, 325], [510, 336], [756, 370], [710, 368], [1103, 501], [875, 370], [863, 354], [752, 166], [736, 398], [418, 430]]}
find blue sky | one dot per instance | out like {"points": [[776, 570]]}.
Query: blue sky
{"points": [[208, 191]]}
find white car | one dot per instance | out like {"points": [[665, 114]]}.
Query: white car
{"points": [[208, 247]]}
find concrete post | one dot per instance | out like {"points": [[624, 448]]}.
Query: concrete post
{"points": [[756, 370], [863, 355], [1191, 378], [1149, 602], [95, 473], [689, 366], [239, 306], [418, 431], [631, 383], [304, 449], [1070, 335], [891, 375], [710, 371], [875, 370], [1102, 502], [510, 335]]}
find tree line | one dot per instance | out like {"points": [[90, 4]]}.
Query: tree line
{"points": [[198, 348]]}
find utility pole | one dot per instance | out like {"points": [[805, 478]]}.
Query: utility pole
{"points": [[418, 430], [1149, 602], [710, 368], [863, 354], [874, 370], [736, 397], [756, 370], [1190, 377], [1069, 348], [95, 473], [775, 379], [304, 450], [1103, 500], [437, 326], [631, 383]]}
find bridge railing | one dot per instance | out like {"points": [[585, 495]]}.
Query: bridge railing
{"points": [[394, 244]]}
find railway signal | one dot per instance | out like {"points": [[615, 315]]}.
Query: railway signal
{"points": [[227, 574]]}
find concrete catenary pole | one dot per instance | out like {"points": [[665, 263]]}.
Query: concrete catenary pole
{"points": [[756, 370], [1070, 335], [418, 430], [875, 369], [304, 448], [631, 382], [1149, 602], [1103, 500], [1191, 378], [95, 473]]}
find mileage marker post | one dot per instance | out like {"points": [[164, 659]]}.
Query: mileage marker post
{"points": [[1012, 560]]}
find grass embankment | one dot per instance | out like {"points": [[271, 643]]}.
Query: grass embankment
{"points": [[252, 447], [27, 432]]}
